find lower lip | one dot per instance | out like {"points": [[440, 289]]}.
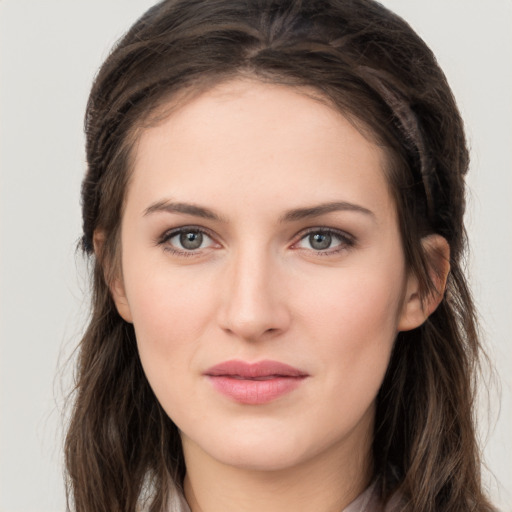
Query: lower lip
{"points": [[254, 392]]}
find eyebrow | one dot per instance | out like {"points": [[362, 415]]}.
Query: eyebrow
{"points": [[290, 216], [188, 208], [322, 209]]}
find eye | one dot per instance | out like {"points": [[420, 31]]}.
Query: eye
{"points": [[325, 240], [186, 240]]}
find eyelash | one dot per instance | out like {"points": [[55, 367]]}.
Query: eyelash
{"points": [[168, 235], [346, 241]]}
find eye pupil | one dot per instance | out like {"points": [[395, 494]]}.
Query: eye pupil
{"points": [[191, 240], [320, 241]]}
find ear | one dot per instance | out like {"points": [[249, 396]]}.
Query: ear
{"points": [[418, 306], [113, 277]]}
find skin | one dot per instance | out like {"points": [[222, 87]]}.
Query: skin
{"points": [[257, 289]]}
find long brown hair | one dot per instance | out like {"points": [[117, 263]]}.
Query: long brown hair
{"points": [[121, 447]]}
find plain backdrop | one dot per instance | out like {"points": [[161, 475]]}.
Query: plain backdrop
{"points": [[49, 53]]}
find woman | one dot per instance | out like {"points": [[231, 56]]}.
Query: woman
{"points": [[274, 206]]}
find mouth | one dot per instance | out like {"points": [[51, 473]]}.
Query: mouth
{"points": [[254, 383]]}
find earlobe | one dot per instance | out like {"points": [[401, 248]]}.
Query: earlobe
{"points": [[419, 305], [113, 278], [119, 295]]}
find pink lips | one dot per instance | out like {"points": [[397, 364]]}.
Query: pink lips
{"points": [[255, 383]]}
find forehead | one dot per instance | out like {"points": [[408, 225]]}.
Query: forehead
{"points": [[257, 138]]}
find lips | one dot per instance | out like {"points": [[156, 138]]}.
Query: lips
{"points": [[254, 383]]}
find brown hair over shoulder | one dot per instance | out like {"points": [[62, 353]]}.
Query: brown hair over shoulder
{"points": [[365, 61]]}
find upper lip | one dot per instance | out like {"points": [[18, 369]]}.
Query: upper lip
{"points": [[242, 369]]}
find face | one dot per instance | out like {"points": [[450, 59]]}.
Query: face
{"points": [[263, 271]]}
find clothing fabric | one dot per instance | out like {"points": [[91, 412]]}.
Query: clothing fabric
{"points": [[367, 501]]}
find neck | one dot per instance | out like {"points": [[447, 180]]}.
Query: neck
{"points": [[325, 483]]}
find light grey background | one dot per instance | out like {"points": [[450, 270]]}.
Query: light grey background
{"points": [[49, 53]]}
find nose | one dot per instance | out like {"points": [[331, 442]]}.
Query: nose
{"points": [[254, 300]]}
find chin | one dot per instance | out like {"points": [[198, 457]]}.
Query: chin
{"points": [[266, 446], [259, 457]]}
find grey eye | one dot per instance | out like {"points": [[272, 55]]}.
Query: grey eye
{"points": [[191, 240], [325, 240], [320, 241], [187, 240]]}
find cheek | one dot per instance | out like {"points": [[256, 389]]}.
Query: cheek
{"points": [[169, 318], [170, 313], [353, 323], [164, 311], [359, 301]]}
